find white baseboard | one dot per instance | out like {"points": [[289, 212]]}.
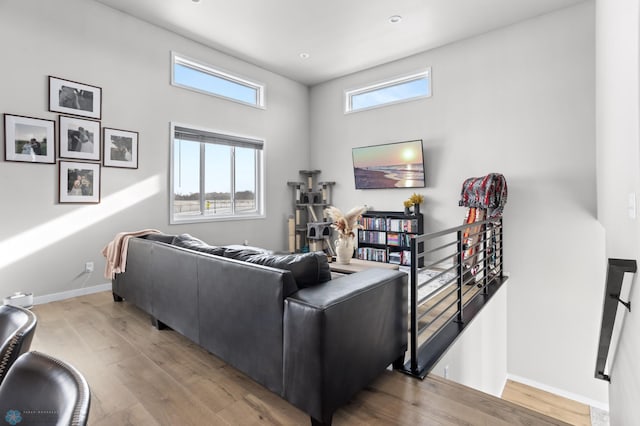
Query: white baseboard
{"points": [[504, 384], [573, 396], [39, 300]]}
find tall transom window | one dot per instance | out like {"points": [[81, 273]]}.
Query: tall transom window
{"points": [[388, 92], [194, 75]]}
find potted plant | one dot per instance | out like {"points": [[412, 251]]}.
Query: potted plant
{"points": [[346, 225]]}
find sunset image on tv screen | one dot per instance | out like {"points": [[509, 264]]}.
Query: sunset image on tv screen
{"points": [[395, 165]]}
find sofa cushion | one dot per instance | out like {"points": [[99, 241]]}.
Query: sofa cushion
{"points": [[163, 238], [241, 253], [192, 243], [245, 247], [308, 269]]}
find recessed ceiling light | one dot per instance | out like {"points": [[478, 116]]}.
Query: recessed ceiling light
{"points": [[395, 19], [304, 55]]}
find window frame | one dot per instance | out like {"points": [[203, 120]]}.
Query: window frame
{"points": [[179, 59], [202, 217], [383, 84]]}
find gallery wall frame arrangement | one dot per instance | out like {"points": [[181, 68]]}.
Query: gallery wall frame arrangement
{"points": [[120, 148], [74, 98], [29, 139], [79, 182], [79, 138]]}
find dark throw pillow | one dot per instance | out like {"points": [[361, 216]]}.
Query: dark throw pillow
{"points": [[308, 269], [192, 243]]}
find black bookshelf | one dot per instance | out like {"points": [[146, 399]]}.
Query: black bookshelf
{"points": [[386, 236]]}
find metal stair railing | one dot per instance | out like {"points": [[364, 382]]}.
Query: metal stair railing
{"points": [[470, 257], [615, 277]]}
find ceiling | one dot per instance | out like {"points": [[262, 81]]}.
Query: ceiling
{"points": [[340, 36]]}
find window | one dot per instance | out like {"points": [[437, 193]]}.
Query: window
{"points": [[190, 74], [400, 89], [214, 176]]}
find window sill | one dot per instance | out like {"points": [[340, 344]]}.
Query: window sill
{"points": [[204, 219]]}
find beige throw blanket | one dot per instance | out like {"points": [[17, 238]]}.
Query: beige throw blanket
{"points": [[116, 251]]}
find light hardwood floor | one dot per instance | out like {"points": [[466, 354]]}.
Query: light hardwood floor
{"points": [[141, 376], [547, 403]]}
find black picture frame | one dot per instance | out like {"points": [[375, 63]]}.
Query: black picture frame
{"points": [[120, 148], [29, 139], [79, 138], [79, 182], [74, 98]]}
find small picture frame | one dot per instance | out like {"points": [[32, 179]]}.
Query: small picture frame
{"points": [[29, 139], [79, 138], [71, 97], [120, 148], [79, 182]]}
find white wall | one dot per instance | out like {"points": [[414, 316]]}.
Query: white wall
{"points": [[618, 148], [478, 359], [519, 101], [43, 244]]}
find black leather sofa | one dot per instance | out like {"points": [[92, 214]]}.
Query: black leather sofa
{"points": [[314, 345]]}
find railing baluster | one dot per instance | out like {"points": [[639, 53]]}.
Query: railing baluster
{"points": [[414, 306], [485, 260], [460, 275], [501, 250]]}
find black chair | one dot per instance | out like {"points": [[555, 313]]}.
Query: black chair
{"points": [[40, 389], [17, 326]]}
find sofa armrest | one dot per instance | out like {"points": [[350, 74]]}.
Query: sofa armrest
{"points": [[341, 335], [135, 285]]}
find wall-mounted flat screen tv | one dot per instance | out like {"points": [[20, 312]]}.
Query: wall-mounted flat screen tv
{"points": [[392, 165]]}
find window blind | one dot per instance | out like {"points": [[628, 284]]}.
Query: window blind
{"points": [[193, 135]]}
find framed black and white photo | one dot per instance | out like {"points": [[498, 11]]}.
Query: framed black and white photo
{"points": [[28, 139], [71, 97], [120, 148], [79, 138], [79, 182]]}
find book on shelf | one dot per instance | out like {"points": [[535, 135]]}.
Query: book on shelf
{"points": [[370, 253], [372, 237], [374, 223], [402, 225], [395, 257], [398, 239], [406, 257]]}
